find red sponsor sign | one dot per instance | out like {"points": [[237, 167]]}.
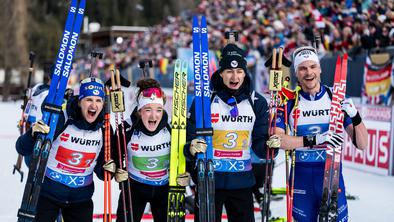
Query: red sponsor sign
{"points": [[134, 146], [215, 117], [220, 153], [74, 158], [64, 137], [376, 158]]}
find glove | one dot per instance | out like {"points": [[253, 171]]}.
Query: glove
{"points": [[347, 106], [330, 137], [198, 146], [40, 127], [273, 141], [183, 179], [121, 175], [110, 166]]}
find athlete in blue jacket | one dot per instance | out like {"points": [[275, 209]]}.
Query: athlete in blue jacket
{"points": [[311, 130], [77, 151], [240, 123]]}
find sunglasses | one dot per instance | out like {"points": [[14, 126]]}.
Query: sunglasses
{"points": [[233, 103], [152, 93], [305, 48], [91, 79]]}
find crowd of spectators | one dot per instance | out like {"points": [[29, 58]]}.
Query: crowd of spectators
{"points": [[344, 25]]}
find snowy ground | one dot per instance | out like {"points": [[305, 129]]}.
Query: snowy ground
{"points": [[375, 193]]}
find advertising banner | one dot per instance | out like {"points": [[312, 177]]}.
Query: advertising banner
{"points": [[378, 157]]}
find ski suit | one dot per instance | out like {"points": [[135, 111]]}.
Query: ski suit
{"points": [[232, 140], [148, 164], [313, 118]]}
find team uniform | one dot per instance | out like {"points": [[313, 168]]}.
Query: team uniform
{"points": [[313, 118], [77, 151], [148, 164], [232, 141]]}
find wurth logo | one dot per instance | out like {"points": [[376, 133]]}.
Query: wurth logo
{"points": [[85, 142], [134, 146], [239, 119], [296, 114], [156, 147], [214, 117], [308, 113], [64, 137]]}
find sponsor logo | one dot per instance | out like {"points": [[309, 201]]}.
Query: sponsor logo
{"points": [[134, 146], [64, 137], [308, 113], [234, 64], [85, 142], [156, 147], [239, 119], [215, 117]]}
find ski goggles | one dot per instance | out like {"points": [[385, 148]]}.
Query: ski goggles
{"points": [[91, 79], [234, 106], [150, 95], [152, 92]]}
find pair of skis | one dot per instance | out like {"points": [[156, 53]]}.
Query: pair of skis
{"points": [[52, 109], [176, 194], [328, 211], [202, 99]]}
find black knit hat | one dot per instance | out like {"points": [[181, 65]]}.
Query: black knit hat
{"points": [[232, 57]]}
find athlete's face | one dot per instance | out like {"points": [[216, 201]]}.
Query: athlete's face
{"points": [[91, 107], [308, 75], [151, 115], [233, 78]]}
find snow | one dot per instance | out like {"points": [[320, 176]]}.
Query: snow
{"points": [[374, 192]]}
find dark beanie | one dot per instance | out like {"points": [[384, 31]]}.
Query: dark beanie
{"points": [[232, 57]]}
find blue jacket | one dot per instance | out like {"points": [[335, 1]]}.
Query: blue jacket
{"points": [[55, 190], [234, 180]]}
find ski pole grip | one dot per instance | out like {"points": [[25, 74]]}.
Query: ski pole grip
{"points": [[107, 101], [117, 75], [275, 78], [113, 79], [117, 100], [280, 58], [204, 131]]}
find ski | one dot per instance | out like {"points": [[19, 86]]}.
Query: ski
{"points": [[205, 165], [329, 202], [176, 194], [51, 110]]}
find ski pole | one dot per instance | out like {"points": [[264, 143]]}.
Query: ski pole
{"points": [[107, 157], [275, 85]]}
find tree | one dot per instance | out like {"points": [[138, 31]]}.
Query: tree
{"points": [[14, 15]]}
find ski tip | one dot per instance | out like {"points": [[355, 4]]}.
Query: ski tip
{"points": [[185, 64]]}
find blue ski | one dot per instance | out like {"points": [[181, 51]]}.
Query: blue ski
{"points": [[205, 167], [51, 110]]}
